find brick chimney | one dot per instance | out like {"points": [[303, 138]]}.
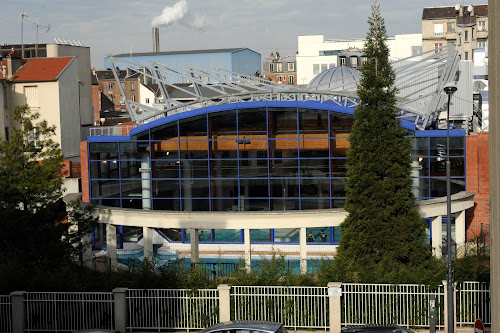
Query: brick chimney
{"points": [[14, 62]]}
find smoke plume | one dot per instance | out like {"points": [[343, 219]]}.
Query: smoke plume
{"points": [[179, 13]]}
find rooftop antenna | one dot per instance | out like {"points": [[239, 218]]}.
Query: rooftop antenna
{"points": [[37, 25]]}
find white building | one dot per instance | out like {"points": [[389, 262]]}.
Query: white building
{"points": [[317, 54]]}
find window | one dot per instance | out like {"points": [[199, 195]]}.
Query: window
{"points": [[342, 61], [147, 100], [481, 26], [132, 86], [6, 134], [316, 69], [132, 98], [110, 85], [354, 61], [31, 96], [466, 36], [290, 79], [451, 27], [438, 29], [328, 53], [279, 67], [280, 79], [291, 66], [324, 67], [481, 43], [34, 138], [466, 55], [438, 47], [271, 67]]}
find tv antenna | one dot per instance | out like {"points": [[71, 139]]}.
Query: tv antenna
{"points": [[38, 26]]}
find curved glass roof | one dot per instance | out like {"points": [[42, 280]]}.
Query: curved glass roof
{"points": [[336, 78]]}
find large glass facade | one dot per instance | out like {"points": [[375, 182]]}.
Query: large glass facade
{"points": [[260, 159]]}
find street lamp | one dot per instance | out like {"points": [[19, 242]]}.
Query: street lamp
{"points": [[449, 89]]}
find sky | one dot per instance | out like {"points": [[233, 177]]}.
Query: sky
{"points": [[124, 26]]}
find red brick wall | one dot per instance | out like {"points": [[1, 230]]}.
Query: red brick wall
{"points": [[478, 180], [96, 103], [85, 172]]}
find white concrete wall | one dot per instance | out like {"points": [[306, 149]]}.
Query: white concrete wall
{"points": [[145, 93], [309, 47], [82, 55]]}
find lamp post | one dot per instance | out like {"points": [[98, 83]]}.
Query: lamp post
{"points": [[449, 89]]}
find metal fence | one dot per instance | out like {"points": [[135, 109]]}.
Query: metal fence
{"points": [[294, 307], [404, 305], [59, 312], [5, 314], [473, 302], [172, 309]]}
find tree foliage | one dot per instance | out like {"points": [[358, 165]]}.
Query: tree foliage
{"points": [[31, 208], [383, 236]]}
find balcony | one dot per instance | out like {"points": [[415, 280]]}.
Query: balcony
{"points": [[451, 35]]}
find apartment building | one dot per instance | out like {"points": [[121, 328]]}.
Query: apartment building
{"points": [[465, 26]]}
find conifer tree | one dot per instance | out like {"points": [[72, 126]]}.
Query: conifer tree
{"points": [[383, 236]]}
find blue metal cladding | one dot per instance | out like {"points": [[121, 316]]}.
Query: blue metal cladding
{"points": [[250, 156]]}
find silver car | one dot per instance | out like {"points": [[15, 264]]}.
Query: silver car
{"points": [[246, 326]]}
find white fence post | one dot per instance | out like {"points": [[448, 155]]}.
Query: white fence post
{"points": [[224, 302], [334, 294], [120, 305], [17, 298]]}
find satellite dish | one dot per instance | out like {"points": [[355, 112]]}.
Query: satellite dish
{"points": [[469, 8], [457, 7]]}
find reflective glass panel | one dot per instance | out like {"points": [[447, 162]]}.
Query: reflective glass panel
{"points": [[339, 168], [315, 188], [261, 235], [134, 169], [283, 121], [313, 121], [419, 146], [227, 235], [165, 169], [284, 168], [165, 150], [438, 146], [224, 168], [254, 204], [314, 168], [253, 168], [253, 148], [220, 205], [338, 187], [194, 169], [252, 122], [104, 169], [225, 188], [197, 149], [337, 234], [339, 146], [310, 148], [420, 188], [318, 203], [192, 128], [252, 188], [105, 188], [165, 132], [283, 188], [420, 167], [134, 150], [193, 205], [166, 188], [338, 203], [222, 124], [195, 188], [103, 150], [227, 148], [286, 235], [134, 188], [136, 203], [284, 204], [438, 167], [167, 204]]}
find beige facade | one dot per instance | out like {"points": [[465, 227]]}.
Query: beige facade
{"points": [[55, 100], [464, 26]]}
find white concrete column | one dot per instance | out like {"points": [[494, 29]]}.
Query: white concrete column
{"points": [[17, 301], [334, 294], [111, 245], [120, 309], [224, 303], [437, 235], [146, 184], [460, 236], [87, 250], [248, 249], [303, 250], [195, 246], [147, 239]]}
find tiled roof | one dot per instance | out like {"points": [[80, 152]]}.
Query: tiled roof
{"points": [[108, 75], [41, 69], [433, 13]]}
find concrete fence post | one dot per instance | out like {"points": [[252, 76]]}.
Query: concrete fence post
{"points": [[334, 295], [17, 298], [120, 305], [224, 302]]}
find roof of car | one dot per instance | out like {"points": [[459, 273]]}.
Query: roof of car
{"points": [[266, 326]]}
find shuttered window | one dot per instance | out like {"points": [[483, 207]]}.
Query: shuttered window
{"points": [[31, 96]]}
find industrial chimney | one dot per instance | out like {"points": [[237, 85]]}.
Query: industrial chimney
{"points": [[156, 39]]}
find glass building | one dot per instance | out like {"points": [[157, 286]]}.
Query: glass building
{"points": [[252, 156]]}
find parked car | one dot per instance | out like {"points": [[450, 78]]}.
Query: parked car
{"points": [[376, 329], [246, 326]]}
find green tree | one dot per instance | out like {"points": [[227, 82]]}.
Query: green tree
{"points": [[383, 236], [31, 208]]}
